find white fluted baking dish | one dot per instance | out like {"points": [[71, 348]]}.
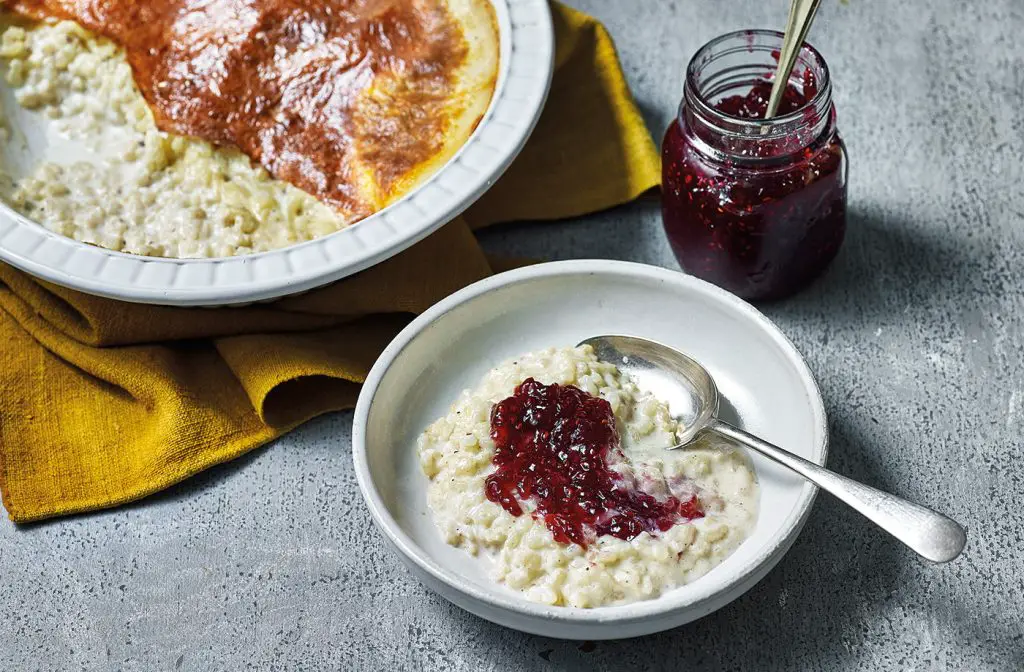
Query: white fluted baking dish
{"points": [[526, 51]]}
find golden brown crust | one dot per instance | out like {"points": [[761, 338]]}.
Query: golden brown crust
{"points": [[461, 112], [349, 100]]}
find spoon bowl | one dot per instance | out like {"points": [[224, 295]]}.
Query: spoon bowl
{"points": [[681, 382], [692, 397]]}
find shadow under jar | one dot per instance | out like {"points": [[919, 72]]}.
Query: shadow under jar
{"points": [[755, 206]]}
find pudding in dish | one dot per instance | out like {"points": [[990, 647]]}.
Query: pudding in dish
{"points": [[554, 470], [192, 128]]}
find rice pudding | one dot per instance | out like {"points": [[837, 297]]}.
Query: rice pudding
{"points": [[189, 128], [554, 471]]}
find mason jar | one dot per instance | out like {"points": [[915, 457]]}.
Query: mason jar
{"points": [[753, 205]]}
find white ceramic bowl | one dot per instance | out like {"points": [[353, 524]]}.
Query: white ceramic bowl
{"points": [[527, 61], [765, 385]]}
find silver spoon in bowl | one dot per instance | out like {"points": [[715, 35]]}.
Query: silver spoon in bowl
{"points": [[692, 397]]}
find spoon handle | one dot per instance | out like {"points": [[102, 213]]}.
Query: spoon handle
{"points": [[926, 532], [801, 15]]}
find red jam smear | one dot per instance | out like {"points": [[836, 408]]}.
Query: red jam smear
{"points": [[552, 449], [762, 232]]}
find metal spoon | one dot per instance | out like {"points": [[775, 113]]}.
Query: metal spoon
{"points": [[801, 15], [692, 396]]}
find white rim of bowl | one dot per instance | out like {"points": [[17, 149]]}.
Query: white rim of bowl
{"points": [[627, 613], [526, 39]]}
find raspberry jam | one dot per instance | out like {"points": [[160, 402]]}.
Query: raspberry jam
{"points": [[554, 446], [757, 207]]}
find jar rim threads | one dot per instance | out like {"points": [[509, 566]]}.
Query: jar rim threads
{"points": [[737, 61]]}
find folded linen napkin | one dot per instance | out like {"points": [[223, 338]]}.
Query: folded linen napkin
{"points": [[104, 402]]}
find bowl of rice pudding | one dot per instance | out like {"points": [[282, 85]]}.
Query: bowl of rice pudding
{"points": [[528, 482], [207, 153]]}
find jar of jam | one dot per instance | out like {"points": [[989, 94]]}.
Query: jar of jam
{"points": [[753, 205]]}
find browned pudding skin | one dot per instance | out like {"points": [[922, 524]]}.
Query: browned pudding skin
{"points": [[280, 79]]}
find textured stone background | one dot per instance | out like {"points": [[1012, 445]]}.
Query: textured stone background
{"points": [[915, 336]]}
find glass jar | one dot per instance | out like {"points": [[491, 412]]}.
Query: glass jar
{"points": [[755, 206]]}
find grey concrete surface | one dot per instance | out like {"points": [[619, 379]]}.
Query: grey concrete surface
{"points": [[916, 336]]}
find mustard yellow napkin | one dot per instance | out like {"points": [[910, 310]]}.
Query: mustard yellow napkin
{"points": [[104, 402]]}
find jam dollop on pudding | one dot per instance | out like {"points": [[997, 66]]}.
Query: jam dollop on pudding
{"points": [[554, 472], [757, 207], [555, 445]]}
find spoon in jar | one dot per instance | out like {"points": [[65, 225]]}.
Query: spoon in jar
{"points": [[801, 15], [692, 397]]}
